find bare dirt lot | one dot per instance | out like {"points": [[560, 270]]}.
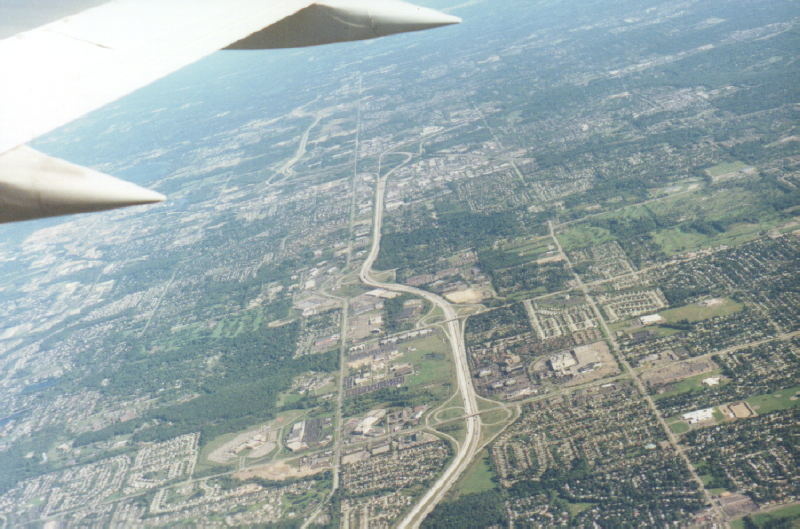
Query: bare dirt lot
{"points": [[277, 472], [469, 295], [667, 375]]}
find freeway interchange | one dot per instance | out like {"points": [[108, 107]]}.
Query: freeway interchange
{"points": [[455, 335]]}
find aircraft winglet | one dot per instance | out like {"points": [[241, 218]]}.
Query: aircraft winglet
{"points": [[329, 21], [35, 185]]}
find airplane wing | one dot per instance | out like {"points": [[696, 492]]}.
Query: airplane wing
{"points": [[57, 72]]}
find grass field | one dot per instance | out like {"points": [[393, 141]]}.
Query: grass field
{"points": [[679, 427], [515, 252], [674, 241], [433, 368], [495, 416], [434, 315], [576, 508], [792, 513], [350, 290], [632, 325], [726, 168], [525, 246], [485, 404], [431, 360], [726, 207], [237, 323], [725, 216], [288, 397], [477, 478], [687, 384], [493, 422], [455, 429], [700, 312], [449, 413], [488, 432], [583, 235], [676, 187], [780, 400]]}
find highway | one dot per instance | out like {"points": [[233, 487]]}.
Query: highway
{"points": [[453, 329]]}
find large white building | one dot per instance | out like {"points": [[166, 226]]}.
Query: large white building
{"points": [[694, 417]]}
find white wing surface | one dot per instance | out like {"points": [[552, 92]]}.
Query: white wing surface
{"points": [[58, 72]]}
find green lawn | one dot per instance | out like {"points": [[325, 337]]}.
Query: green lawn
{"points": [[485, 404], [288, 397], [450, 413], [792, 513], [431, 360], [351, 289], [515, 251], [583, 235], [686, 385], [674, 241], [477, 478], [679, 427], [455, 429], [725, 168], [494, 416], [525, 245], [235, 324], [780, 400], [576, 508], [433, 367], [700, 312]]}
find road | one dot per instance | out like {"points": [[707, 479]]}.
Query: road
{"points": [[454, 331]]}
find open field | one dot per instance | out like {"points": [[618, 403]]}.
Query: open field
{"points": [[447, 414], [278, 471], [350, 290], [583, 235], [679, 427], [455, 429], [488, 432], [779, 400], [514, 252], [577, 508], [723, 170], [631, 325], [431, 361], [469, 295], [676, 187], [495, 416], [486, 404], [236, 324], [525, 246], [728, 216], [674, 241], [686, 385], [702, 311], [477, 478], [791, 512]]}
